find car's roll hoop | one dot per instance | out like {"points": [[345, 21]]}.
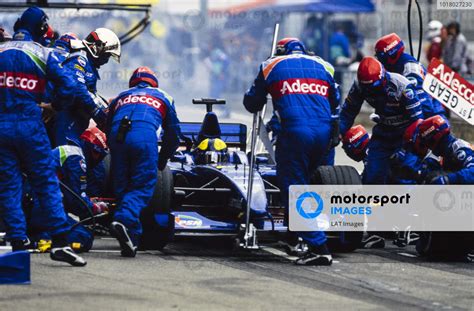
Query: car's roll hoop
{"points": [[209, 102]]}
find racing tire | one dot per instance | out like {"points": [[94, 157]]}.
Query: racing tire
{"points": [[443, 245], [156, 219], [346, 242]]}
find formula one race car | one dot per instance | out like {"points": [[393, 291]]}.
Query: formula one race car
{"points": [[203, 190], [208, 195]]}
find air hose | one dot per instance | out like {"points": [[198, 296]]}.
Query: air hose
{"points": [[420, 29]]}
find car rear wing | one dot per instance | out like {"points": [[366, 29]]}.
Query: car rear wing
{"points": [[233, 134]]}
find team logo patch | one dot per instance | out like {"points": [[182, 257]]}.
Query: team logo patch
{"points": [[143, 99], [409, 93], [22, 81], [78, 67], [299, 86], [82, 61]]}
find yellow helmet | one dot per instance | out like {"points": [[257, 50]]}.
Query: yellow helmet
{"points": [[210, 151], [215, 144]]}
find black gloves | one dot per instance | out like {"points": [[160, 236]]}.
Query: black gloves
{"points": [[334, 139]]}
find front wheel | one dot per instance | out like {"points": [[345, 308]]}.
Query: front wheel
{"points": [[435, 245]]}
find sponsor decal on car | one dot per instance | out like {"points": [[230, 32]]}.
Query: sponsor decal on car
{"points": [[186, 221]]}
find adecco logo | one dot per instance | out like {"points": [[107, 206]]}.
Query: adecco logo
{"points": [[300, 86], [143, 99], [390, 46], [315, 205], [21, 81]]}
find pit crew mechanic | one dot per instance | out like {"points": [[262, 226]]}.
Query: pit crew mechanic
{"points": [[71, 166], [397, 105], [86, 58], [73, 162], [458, 155], [134, 121], [26, 67], [306, 100], [62, 49], [390, 51]]}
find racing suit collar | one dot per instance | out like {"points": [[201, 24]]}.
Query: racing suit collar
{"points": [[22, 35], [142, 85]]}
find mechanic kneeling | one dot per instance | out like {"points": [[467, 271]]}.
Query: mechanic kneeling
{"points": [[71, 164], [458, 156], [396, 104], [24, 145], [134, 121], [306, 99]]}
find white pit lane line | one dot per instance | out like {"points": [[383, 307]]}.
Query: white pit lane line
{"points": [[408, 255], [282, 254]]}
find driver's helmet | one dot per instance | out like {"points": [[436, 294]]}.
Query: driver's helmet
{"points": [[210, 151]]}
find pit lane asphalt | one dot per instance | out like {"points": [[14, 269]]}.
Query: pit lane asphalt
{"points": [[201, 274]]}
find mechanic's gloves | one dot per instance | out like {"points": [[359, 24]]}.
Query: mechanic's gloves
{"points": [[162, 163], [99, 208], [335, 138], [440, 180]]}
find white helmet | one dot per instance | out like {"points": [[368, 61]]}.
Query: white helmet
{"points": [[99, 42], [434, 29]]}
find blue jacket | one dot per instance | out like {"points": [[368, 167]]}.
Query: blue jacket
{"points": [[415, 72], [458, 158], [302, 88], [147, 107], [397, 107], [25, 69], [73, 120]]}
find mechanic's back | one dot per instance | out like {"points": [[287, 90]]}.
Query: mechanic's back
{"points": [[306, 102], [134, 120], [25, 68], [303, 100], [22, 79], [145, 106]]}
